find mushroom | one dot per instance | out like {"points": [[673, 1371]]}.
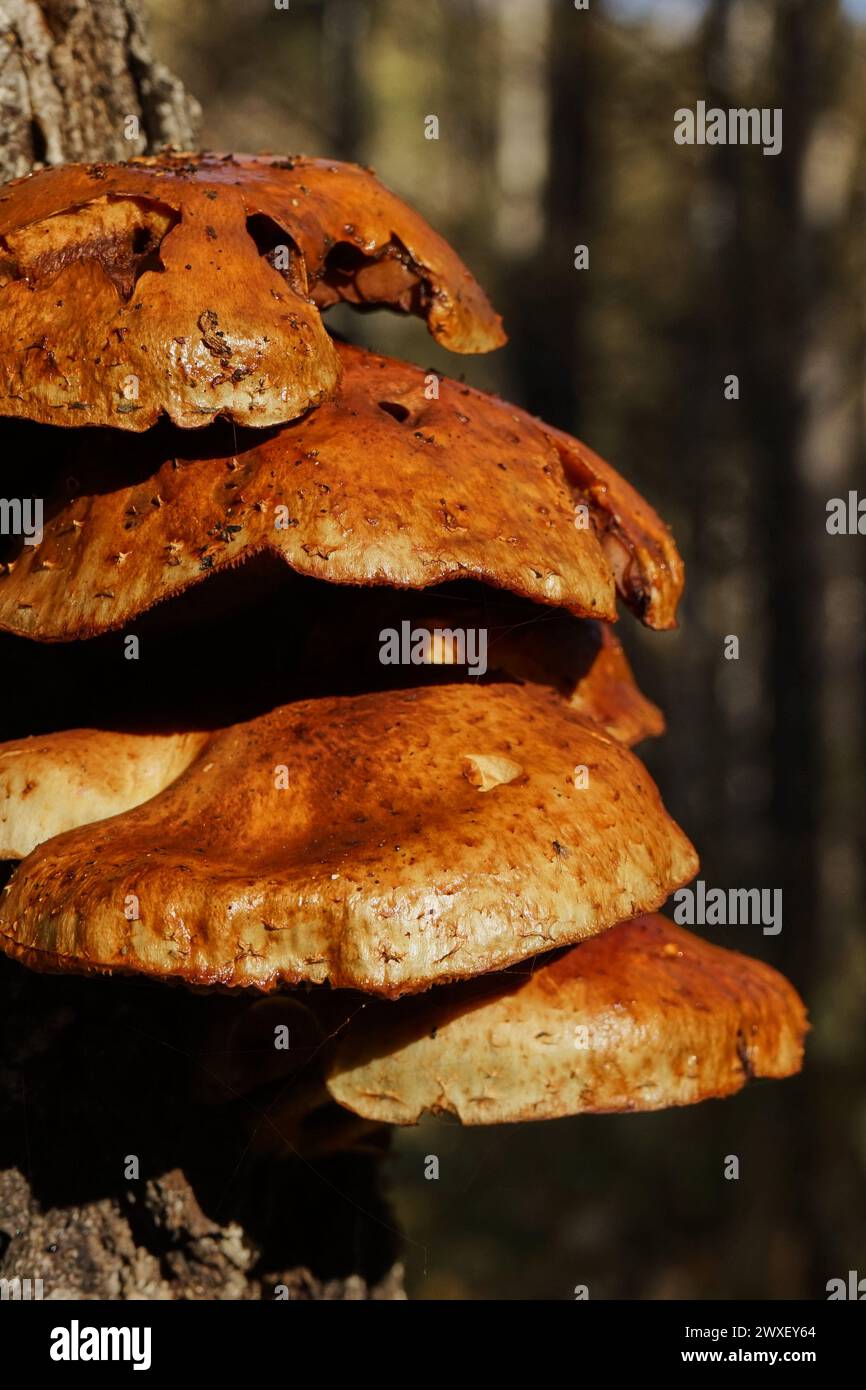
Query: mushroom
{"points": [[381, 486], [53, 783], [339, 840], [642, 1017], [485, 845], [189, 285], [62, 780]]}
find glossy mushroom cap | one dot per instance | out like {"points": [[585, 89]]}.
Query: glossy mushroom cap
{"points": [[191, 285], [382, 842], [644, 1016], [59, 781], [381, 486]]}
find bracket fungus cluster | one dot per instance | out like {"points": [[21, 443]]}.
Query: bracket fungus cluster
{"points": [[456, 872]]}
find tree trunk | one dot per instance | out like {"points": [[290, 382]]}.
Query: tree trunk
{"points": [[78, 81], [131, 1163], [150, 1148]]}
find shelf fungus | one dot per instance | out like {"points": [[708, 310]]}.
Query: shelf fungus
{"points": [[645, 1016], [371, 862], [58, 781], [442, 873], [192, 286], [380, 486]]}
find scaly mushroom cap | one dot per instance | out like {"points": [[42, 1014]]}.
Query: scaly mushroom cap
{"points": [[383, 842], [58, 781], [191, 285], [642, 1017], [380, 486]]}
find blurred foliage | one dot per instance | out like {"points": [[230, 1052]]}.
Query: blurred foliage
{"points": [[555, 129]]}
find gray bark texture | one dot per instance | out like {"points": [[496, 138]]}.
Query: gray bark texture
{"points": [[148, 1151], [71, 74], [94, 1073]]}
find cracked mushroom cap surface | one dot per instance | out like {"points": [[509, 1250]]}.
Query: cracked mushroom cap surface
{"points": [[55, 782], [645, 1016], [382, 842], [191, 285], [381, 486]]}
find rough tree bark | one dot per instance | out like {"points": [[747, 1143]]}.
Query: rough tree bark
{"points": [[71, 74], [144, 1153], [93, 1073]]}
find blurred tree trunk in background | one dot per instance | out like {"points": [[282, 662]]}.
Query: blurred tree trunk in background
{"points": [[205, 1220], [818, 631], [546, 321], [344, 25], [786, 328]]}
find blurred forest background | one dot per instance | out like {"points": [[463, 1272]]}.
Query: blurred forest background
{"points": [[556, 129]]}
